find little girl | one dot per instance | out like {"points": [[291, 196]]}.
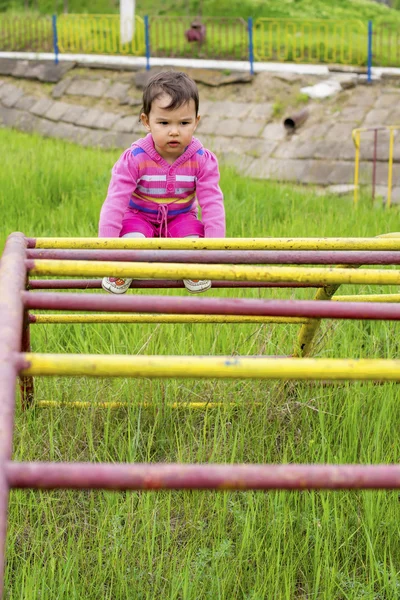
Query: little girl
{"points": [[158, 183]]}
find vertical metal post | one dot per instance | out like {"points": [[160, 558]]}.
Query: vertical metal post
{"points": [[55, 39], [12, 284], [251, 47], [374, 164], [390, 168], [356, 138], [26, 384], [369, 76], [147, 39]]}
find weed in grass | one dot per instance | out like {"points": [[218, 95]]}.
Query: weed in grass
{"points": [[301, 99], [277, 109]]}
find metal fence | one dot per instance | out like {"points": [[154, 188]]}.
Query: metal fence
{"points": [[386, 44], [26, 33], [98, 34], [313, 41], [295, 40], [381, 151], [225, 37]]}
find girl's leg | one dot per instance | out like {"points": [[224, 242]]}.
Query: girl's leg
{"points": [[196, 286], [189, 226], [119, 285]]}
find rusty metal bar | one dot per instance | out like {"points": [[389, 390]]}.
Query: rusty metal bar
{"points": [[201, 477], [294, 121], [248, 257], [211, 306], [12, 282]]}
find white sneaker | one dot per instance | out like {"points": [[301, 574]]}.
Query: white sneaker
{"points": [[195, 286], [116, 285]]}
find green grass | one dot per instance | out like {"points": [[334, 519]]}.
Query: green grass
{"points": [[303, 9], [200, 545]]}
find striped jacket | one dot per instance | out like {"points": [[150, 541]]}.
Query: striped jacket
{"points": [[142, 180]]}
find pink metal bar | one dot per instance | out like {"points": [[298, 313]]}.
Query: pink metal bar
{"points": [[245, 257], [212, 306], [201, 477], [91, 284], [12, 282]]}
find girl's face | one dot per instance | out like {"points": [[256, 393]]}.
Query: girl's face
{"points": [[172, 130]]}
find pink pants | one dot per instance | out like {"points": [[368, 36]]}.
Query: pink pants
{"points": [[162, 225]]}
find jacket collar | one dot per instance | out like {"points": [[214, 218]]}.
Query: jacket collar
{"points": [[147, 144]]}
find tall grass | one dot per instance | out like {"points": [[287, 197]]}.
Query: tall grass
{"points": [[200, 545], [321, 9]]}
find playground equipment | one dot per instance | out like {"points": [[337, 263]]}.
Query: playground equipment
{"points": [[356, 135], [229, 263]]}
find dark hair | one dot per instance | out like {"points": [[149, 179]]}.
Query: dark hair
{"points": [[179, 86]]}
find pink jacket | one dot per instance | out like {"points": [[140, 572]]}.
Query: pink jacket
{"points": [[142, 179]]}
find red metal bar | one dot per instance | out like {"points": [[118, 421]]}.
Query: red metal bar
{"points": [[244, 257], [12, 282], [90, 284], [200, 477], [212, 306]]}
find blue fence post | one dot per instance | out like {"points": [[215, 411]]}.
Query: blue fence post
{"points": [[369, 76], [147, 38], [55, 39], [251, 51]]}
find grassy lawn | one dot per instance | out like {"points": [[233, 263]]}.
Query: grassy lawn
{"points": [[200, 545]]}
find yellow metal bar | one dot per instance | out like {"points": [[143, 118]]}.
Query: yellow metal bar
{"points": [[356, 138], [325, 276], [362, 243], [174, 405], [206, 367], [390, 168], [368, 298], [161, 318]]}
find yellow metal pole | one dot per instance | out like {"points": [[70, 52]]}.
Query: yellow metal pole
{"points": [[308, 330], [174, 405], [206, 367], [356, 138], [160, 318], [368, 298], [328, 275], [390, 169], [362, 243], [389, 235]]}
